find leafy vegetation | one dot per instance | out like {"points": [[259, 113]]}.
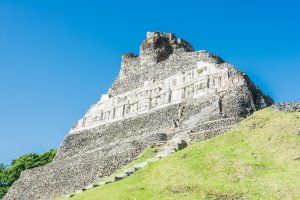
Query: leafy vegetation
{"points": [[258, 159], [8, 175]]}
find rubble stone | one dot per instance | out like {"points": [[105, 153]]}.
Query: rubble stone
{"points": [[287, 107]]}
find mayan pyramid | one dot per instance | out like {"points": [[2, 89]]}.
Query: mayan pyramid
{"points": [[168, 89]]}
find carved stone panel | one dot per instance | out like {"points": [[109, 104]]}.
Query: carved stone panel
{"points": [[205, 78]]}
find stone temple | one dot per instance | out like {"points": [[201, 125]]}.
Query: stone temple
{"points": [[169, 88]]}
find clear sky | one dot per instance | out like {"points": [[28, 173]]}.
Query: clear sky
{"points": [[58, 56]]}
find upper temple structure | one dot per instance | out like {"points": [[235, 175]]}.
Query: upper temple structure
{"points": [[168, 89]]}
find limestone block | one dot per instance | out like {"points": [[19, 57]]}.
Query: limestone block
{"points": [[176, 96], [121, 176], [152, 159], [111, 180], [144, 105], [119, 112], [130, 171], [140, 165], [88, 187]]}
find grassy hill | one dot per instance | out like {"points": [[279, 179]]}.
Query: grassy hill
{"points": [[259, 159]]}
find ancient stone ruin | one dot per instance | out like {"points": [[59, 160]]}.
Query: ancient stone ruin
{"points": [[169, 88], [287, 107]]}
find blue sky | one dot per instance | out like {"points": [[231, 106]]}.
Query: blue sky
{"points": [[58, 57]]}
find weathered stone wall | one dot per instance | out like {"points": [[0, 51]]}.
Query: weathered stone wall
{"points": [[168, 89], [120, 131], [88, 155], [133, 74], [183, 86], [287, 107]]}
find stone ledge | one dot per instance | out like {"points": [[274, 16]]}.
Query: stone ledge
{"points": [[286, 107]]}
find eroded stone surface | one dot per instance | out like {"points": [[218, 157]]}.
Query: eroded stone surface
{"points": [[171, 89], [206, 78], [287, 107]]}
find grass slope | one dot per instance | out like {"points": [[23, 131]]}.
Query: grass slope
{"points": [[259, 159]]}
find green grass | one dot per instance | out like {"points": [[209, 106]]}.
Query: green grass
{"points": [[146, 154], [259, 159]]}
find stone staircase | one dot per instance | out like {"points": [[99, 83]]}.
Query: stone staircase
{"points": [[168, 148], [180, 138]]}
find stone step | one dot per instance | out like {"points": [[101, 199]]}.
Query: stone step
{"points": [[99, 184], [172, 146], [210, 125], [121, 176], [88, 187], [130, 171], [140, 165], [207, 134]]}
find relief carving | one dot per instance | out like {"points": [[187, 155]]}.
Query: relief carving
{"points": [[175, 89]]}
